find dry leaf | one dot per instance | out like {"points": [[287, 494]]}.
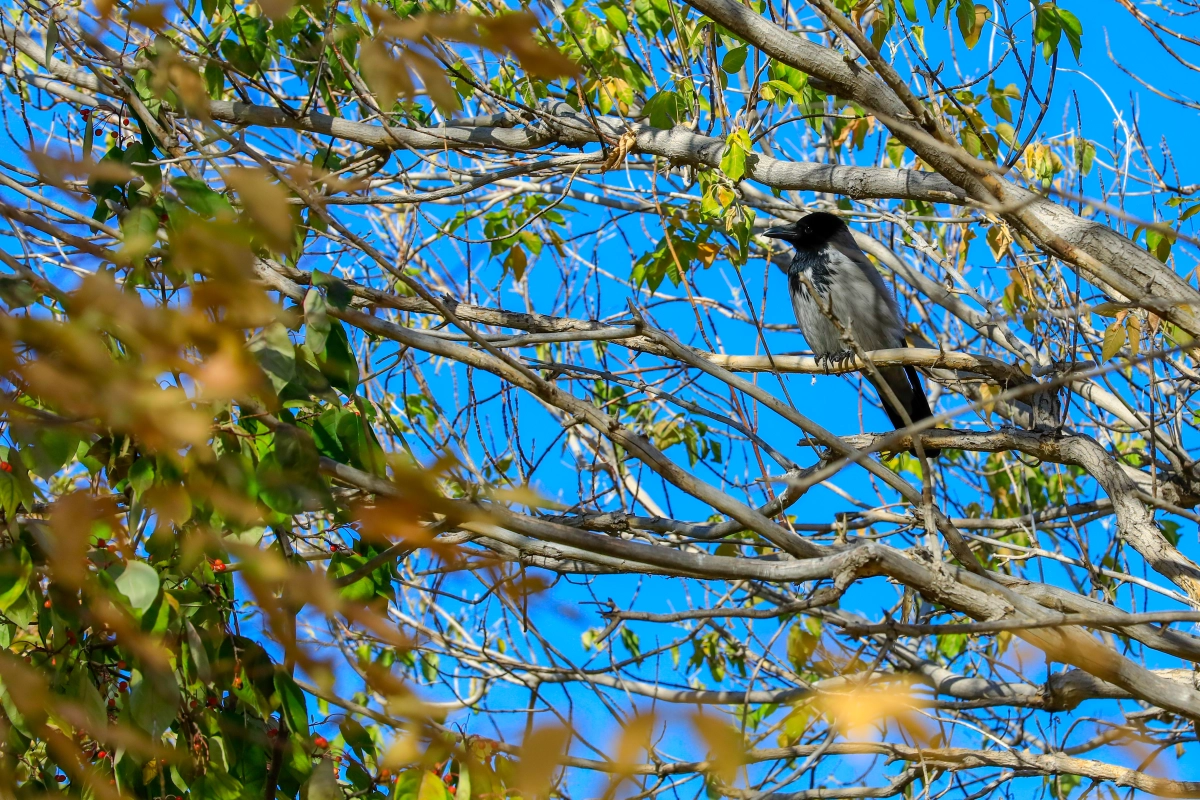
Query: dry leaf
{"points": [[1114, 337], [541, 755], [276, 9], [726, 749], [149, 15], [988, 391], [391, 520], [266, 203], [708, 253], [1133, 332], [386, 76]]}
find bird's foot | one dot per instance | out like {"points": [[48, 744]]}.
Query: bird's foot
{"points": [[831, 361]]}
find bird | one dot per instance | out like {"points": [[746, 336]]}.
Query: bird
{"points": [[828, 262]]}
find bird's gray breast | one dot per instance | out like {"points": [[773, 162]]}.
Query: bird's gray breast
{"points": [[845, 291]]}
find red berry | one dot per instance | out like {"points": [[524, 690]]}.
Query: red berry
{"points": [[122, 686], [212, 702], [98, 132], [60, 778], [5, 466], [85, 112], [218, 565], [46, 604], [320, 741], [193, 704], [124, 122], [101, 754], [112, 702], [120, 665], [237, 683]]}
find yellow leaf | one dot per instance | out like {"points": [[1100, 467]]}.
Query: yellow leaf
{"points": [[988, 391], [440, 91], [1114, 337], [982, 15], [852, 712], [1133, 331], [708, 253], [633, 741], [432, 787], [919, 35], [999, 239], [725, 746]]}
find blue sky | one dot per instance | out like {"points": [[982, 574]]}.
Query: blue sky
{"points": [[1106, 97]]}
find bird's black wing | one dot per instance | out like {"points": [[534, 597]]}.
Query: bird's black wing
{"points": [[844, 243]]}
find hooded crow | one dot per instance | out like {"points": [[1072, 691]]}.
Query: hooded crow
{"points": [[850, 290]]}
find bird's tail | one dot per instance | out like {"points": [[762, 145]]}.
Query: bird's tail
{"points": [[905, 384]]}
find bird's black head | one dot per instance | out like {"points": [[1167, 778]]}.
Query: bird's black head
{"points": [[808, 233]]}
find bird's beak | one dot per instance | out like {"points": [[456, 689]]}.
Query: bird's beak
{"points": [[780, 232]]}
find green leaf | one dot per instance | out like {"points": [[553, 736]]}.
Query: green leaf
{"points": [[16, 292], [965, 13], [196, 195], [141, 475], [951, 644], [153, 702], [337, 291], [734, 59], [432, 788], [665, 109], [1073, 29], [910, 10], [316, 320], [10, 495], [291, 702], [616, 17], [801, 644], [45, 450], [1047, 29], [89, 137], [276, 355], [139, 583], [1085, 154], [51, 40], [1170, 530], [15, 570], [217, 784], [733, 159], [337, 363], [971, 142], [362, 590], [357, 737], [84, 691], [919, 34]]}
